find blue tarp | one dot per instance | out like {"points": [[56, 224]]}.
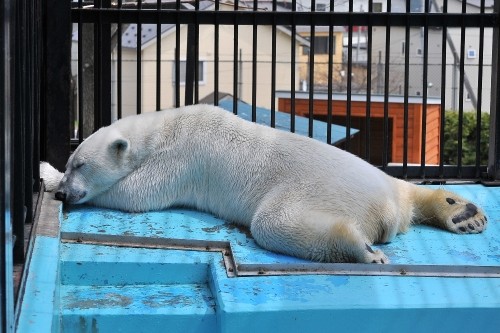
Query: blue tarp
{"points": [[282, 121]]}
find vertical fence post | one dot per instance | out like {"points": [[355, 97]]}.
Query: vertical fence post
{"points": [[18, 130], [494, 149], [102, 69], [190, 64], [55, 135], [6, 265]]}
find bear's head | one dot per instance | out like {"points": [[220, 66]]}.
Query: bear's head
{"points": [[98, 163]]}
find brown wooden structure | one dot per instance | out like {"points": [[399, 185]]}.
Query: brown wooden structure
{"points": [[395, 123]]}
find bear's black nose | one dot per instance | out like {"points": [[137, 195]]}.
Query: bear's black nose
{"points": [[61, 196]]}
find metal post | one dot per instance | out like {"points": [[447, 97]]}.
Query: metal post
{"points": [[190, 64], [494, 150], [102, 70], [6, 265], [57, 87]]}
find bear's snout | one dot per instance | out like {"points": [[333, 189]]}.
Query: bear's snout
{"points": [[70, 197], [61, 196]]}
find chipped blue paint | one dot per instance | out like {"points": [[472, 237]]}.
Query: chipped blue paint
{"points": [[41, 292], [111, 289]]}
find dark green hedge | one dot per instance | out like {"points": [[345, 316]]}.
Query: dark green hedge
{"points": [[469, 138]]}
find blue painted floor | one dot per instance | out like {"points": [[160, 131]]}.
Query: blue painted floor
{"points": [[102, 288]]}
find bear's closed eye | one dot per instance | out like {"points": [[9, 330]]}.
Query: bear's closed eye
{"points": [[79, 165], [450, 201]]}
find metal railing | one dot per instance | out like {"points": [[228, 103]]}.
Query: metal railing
{"points": [[21, 72], [460, 84]]}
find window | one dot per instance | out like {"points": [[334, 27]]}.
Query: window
{"points": [[201, 72], [377, 7], [471, 54], [321, 7], [321, 45]]}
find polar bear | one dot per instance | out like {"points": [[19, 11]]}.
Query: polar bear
{"points": [[297, 196]]}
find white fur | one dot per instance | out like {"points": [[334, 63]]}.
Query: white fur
{"points": [[298, 196], [51, 177]]}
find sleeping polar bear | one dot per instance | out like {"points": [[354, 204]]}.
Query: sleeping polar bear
{"points": [[297, 195]]}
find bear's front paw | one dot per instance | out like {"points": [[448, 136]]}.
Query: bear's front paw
{"points": [[375, 256], [51, 176], [469, 221]]}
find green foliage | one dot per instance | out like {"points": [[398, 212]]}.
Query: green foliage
{"points": [[469, 138]]}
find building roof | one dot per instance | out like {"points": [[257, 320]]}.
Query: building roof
{"points": [[149, 31], [283, 119], [361, 97]]}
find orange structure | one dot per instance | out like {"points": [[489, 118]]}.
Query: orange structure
{"points": [[396, 125]]}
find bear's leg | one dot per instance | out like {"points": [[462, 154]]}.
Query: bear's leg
{"points": [[313, 235], [449, 211]]}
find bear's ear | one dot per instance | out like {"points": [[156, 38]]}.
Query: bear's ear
{"points": [[119, 146]]}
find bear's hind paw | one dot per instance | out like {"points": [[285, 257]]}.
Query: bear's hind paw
{"points": [[375, 256], [469, 221]]}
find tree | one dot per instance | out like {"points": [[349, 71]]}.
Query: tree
{"points": [[469, 138]]}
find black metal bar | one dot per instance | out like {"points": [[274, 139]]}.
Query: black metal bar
{"points": [[385, 150], [105, 70], [286, 18], [57, 83], [119, 79], [190, 64], [177, 60], [28, 129], [6, 265], [425, 91], [139, 61], [479, 106], [158, 58], [36, 65], [254, 65], [311, 72], [293, 65], [98, 81], [494, 147], [236, 73], [273, 71], [18, 135], [216, 57], [80, 76], [461, 94], [349, 82], [406, 93], [368, 86], [443, 89], [196, 55], [329, 110]]}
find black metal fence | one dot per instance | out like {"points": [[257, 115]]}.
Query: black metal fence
{"points": [[21, 66], [32, 91], [138, 57], [134, 57]]}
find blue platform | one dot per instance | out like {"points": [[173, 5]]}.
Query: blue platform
{"points": [[200, 274]]}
